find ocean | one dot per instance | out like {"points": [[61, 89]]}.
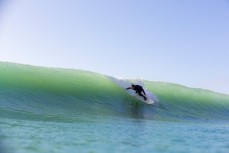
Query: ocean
{"points": [[65, 110]]}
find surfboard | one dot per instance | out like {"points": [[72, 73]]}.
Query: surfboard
{"points": [[149, 100]]}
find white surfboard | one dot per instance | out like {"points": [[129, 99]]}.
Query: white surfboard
{"points": [[149, 97], [147, 101]]}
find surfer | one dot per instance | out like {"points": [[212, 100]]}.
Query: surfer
{"points": [[138, 90]]}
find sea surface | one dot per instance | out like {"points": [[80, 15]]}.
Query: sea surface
{"points": [[57, 110]]}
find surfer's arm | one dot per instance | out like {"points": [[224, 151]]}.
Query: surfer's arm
{"points": [[128, 88]]}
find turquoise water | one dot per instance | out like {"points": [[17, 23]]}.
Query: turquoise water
{"points": [[64, 110], [114, 135]]}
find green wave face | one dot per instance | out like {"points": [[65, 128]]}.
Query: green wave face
{"points": [[190, 104], [54, 94]]}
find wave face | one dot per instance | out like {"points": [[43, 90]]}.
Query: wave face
{"points": [[67, 95]]}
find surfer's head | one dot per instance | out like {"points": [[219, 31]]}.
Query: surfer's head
{"points": [[132, 86]]}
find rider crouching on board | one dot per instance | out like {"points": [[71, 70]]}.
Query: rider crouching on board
{"points": [[138, 90]]}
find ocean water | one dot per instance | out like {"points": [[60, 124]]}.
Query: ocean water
{"points": [[64, 110]]}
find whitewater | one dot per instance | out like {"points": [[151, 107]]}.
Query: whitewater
{"points": [[65, 110]]}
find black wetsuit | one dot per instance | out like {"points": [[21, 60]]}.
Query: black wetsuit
{"points": [[138, 90]]}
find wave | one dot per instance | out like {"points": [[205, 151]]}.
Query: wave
{"points": [[68, 95]]}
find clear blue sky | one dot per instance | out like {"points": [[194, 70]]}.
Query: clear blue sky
{"points": [[178, 41]]}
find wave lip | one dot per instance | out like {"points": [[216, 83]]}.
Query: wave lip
{"points": [[67, 95]]}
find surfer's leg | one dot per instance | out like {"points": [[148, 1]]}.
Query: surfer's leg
{"points": [[140, 94]]}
